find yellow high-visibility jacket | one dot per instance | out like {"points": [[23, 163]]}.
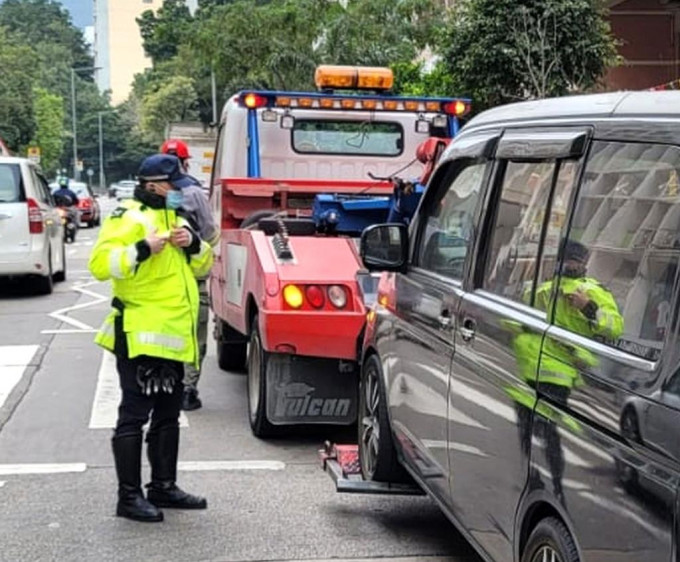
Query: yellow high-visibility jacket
{"points": [[157, 296]]}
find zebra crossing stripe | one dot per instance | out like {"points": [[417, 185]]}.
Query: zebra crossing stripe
{"points": [[13, 362]]}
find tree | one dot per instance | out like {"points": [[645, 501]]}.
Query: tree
{"points": [[48, 110], [16, 91], [163, 31], [175, 100], [506, 50]]}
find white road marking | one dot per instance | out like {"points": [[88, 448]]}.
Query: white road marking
{"points": [[60, 314], [72, 252], [11, 469], [2, 483], [107, 396], [196, 466], [13, 362], [92, 331]]}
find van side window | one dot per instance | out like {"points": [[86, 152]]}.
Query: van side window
{"points": [[514, 250], [447, 228], [620, 262]]}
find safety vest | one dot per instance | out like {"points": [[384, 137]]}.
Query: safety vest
{"points": [[158, 298], [560, 363]]}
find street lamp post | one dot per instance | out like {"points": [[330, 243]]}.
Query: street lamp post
{"points": [[76, 172], [102, 177]]}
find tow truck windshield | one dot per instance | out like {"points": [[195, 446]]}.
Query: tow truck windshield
{"points": [[368, 138]]}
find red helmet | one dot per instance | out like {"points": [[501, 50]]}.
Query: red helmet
{"points": [[177, 147]]}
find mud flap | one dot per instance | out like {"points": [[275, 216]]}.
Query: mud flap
{"points": [[310, 390]]}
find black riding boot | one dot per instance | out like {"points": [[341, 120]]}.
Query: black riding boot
{"points": [[162, 448], [127, 452]]}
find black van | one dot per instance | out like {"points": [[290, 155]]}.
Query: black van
{"points": [[522, 362]]}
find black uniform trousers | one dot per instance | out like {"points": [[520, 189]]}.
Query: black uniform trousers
{"points": [[135, 407]]}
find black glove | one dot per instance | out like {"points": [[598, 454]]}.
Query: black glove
{"points": [[153, 378]]}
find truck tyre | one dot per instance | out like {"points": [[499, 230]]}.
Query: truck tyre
{"points": [[550, 540], [377, 455], [257, 385], [254, 217], [231, 356]]}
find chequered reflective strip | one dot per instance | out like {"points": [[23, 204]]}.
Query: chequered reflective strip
{"points": [[107, 329], [545, 374], [163, 340]]}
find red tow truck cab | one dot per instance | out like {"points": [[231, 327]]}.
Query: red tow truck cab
{"points": [[287, 298]]}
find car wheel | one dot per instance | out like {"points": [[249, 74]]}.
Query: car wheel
{"points": [[630, 429], [60, 276], [377, 454], [44, 285], [550, 541], [257, 385], [231, 356]]}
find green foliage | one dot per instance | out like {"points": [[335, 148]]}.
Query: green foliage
{"points": [[505, 50], [411, 78], [17, 65], [174, 100], [48, 110], [162, 32]]}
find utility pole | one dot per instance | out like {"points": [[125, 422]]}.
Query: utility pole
{"points": [[102, 177], [76, 172], [214, 95]]}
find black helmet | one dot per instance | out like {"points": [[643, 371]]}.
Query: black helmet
{"points": [[575, 251]]}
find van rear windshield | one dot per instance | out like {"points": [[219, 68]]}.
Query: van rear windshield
{"points": [[367, 138], [10, 184]]}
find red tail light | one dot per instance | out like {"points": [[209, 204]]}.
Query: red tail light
{"points": [[315, 296], [253, 101], [84, 203], [35, 219]]}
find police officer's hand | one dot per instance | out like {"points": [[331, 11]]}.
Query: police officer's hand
{"points": [[180, 237], [578, 299], [156, 243]]}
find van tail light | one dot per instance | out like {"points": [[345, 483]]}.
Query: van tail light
{"points": [[35, 219], [85, 203]]}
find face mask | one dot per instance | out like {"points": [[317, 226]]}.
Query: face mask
{"points": [[574, 270], [174, 199]]}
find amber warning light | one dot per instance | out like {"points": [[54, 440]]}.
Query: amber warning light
{"points": [[353, 78]]}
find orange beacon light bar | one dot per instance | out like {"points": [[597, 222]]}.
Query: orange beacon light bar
{"points": [[353, 78]]}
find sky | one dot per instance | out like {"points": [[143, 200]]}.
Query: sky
{"points": [[81, 11]]}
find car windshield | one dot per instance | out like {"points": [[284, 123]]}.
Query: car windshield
{"points": [[10, 183]]}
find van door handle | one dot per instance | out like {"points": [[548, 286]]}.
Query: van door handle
{"points": [[468, 330], [5, 216]]}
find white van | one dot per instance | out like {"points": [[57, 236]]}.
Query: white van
{"points": [[31, 231]]}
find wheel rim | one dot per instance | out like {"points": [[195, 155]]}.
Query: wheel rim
{"points": [[629, 427], [546, 554], [254, 374], [370, 423]]}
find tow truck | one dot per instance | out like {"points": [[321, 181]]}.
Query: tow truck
{"points": [[296, 178]]}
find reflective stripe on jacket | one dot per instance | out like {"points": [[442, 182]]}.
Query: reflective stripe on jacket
{"points": [[159, 296]]}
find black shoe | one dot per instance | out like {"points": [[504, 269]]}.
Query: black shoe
{"points": [[162, 449], [127, 453], [168, 494], [190, 400]]}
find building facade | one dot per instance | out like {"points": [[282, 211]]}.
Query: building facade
{"points": [[649, 36], [118, 47]]}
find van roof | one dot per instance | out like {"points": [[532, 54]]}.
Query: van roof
{"points": [[593, 106]]}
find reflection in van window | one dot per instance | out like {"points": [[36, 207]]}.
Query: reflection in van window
{"points": [[370, 138], [448, 225], [518, 224], [628, 218], [10, 183]]}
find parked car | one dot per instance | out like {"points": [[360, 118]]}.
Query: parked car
{"points": [[88, 204], [125, 189], [31, 230], [520, 361]]}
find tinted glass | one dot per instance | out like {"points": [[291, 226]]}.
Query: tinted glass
{"points": [[515, 234], [626, 229], [448, 226], [10, 183], [369, 138]]}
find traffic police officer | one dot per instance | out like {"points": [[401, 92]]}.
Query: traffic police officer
{"points": [[152, 257], [196, 208], [582, 306]]}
